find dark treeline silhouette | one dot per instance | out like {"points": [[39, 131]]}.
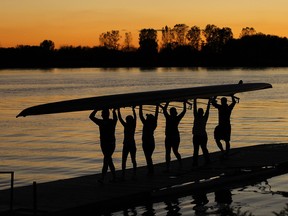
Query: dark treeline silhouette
{"points": [[179, 46]]}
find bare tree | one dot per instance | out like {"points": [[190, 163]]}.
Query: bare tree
{"points": [[110, 39], [216, 37], [168, 37], [127, 41], [210, 33], [194, 37], [180, 31], [225, 34], [247, 31], [148, 39], [47, 45]]}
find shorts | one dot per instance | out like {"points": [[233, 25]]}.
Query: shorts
{"points": [[222, 132]]}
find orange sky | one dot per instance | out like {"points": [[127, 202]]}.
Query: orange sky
{"points": [[80, 22]]}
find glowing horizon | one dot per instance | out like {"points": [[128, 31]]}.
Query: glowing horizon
{"points": [[79, 23]]}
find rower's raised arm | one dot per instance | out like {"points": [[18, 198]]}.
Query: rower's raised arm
{"points": [[156, 112], [208, 108], [93, 118], [120, 117], [214, 102], [141, 113], [195, 107]]}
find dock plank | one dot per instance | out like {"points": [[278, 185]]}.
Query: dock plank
{"points": [[84, 194]]}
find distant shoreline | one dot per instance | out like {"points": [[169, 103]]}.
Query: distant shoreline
{"points": [[257, 51]]}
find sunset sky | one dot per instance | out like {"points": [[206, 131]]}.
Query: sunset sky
{"points": [[80, 22]]}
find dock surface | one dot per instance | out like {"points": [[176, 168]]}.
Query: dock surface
{"points": [[85, 195]]}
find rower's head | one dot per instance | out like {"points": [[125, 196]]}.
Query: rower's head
{"points": [[129, 119], [200, 112], [173, 111], [105, 113], [150, 117], [224, 101]]}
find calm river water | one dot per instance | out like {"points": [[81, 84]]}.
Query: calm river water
{"points": [[50, 147]]}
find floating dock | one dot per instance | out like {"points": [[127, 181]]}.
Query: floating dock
{"points": [[84, 195]]}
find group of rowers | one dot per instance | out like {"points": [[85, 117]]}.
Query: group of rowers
{"points": [[107, 128]]}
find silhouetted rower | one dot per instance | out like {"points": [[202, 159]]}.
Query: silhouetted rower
{"points": [[148, 141], [223, 129], [200, 137], [107, 140], [129, 145], [172, 135]]}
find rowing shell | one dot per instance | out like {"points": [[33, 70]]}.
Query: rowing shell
{"points": [[141, 98]]}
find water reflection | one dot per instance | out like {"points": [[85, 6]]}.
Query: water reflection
{"points": [[200, 200], [283, 212], [223, 201], [129, 212], [149, 210], [223, 198], [172, 207]]}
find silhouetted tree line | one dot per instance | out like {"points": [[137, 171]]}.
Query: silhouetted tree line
{"points": [[180, 46]]}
